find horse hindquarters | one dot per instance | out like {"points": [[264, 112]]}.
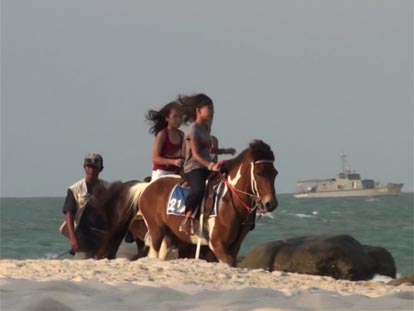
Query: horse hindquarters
{"points": [[150, 205]]}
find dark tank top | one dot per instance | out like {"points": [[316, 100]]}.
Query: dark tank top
{"points": [[169, 151]]}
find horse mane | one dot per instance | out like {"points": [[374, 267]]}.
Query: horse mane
{"points": [[261, 151], [258, 149]]}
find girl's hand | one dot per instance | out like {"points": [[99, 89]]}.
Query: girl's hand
{"points": [[74, 244], [216, 167], [231, 151], [178, 162]]}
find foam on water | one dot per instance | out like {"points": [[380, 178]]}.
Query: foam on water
{"points": [[303, 215], [381, 278]]}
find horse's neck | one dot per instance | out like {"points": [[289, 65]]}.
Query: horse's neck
{"points": [[240, 175]]}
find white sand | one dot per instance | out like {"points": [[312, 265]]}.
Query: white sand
{"points": [[182, 285]]}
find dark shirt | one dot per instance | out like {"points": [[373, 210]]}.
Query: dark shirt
{"points": [[87, 233]]}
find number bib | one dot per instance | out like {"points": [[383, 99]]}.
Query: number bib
{"points": [[176, 202]]}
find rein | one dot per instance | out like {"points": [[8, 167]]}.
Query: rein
{"points": [[71, 252], [234, 191], [254, 197]]}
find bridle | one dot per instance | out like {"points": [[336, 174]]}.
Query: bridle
{"points": [[255, 196]]}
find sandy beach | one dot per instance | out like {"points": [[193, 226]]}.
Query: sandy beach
{"points": [[149, 284]]}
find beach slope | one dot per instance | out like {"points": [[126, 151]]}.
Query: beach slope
{"points": [[149, 284]]}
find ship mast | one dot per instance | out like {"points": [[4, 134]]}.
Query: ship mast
{"points": [[345, 166]]}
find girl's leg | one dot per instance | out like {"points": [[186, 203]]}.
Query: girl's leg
{"points": [[197, 181]]}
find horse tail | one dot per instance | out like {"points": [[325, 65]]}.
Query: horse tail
{"points": [[116, 207]]}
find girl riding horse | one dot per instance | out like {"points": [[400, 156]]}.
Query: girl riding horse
{"points": [[166, 154], [249, 188]]}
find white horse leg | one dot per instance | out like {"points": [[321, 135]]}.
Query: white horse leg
{"points": [[163, 252], [152, 253], [164, 249]]}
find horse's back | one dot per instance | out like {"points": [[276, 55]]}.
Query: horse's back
{"points": [[163, 183], [158, 190]]}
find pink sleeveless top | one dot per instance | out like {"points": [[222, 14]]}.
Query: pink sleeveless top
{"points": [[170, 151]]}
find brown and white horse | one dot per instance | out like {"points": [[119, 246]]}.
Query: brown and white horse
{"points": [[249, 188]]}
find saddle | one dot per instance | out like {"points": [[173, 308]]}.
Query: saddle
{"points": [[213, 193]]}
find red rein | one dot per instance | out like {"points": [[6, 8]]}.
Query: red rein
{"points": [[233, 190]]}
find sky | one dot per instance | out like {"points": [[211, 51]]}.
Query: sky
{"points": [[312, 78]]}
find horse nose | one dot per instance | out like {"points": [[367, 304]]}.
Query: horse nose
{"points": [[271, 205]]}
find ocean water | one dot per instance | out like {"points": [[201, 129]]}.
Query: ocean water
{"points": [[29, 226]]}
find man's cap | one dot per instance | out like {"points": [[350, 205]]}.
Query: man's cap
{"points": [[93, 159]]}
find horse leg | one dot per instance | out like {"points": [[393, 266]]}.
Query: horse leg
{"points": [[207, 254], [157, 237], [166, 246], [111, 245], [111, 241], [152, 253], [142, 249], [119, 233], [245, 228], [220, 250], [235, 247], [138, 230], [116, 241]]}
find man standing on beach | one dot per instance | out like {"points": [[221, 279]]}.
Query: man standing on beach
{"points": [[83, 225]]}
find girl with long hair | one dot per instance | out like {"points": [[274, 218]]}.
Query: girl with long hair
{"points": [[166, 153], [199, 110]]}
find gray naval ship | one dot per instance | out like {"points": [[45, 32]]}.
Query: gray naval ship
{"points": [[346, 184]]}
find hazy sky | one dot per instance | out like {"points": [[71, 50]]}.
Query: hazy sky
{"points": [[312, 78]]}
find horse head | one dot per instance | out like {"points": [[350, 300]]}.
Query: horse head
{"points": [[253, 173]]}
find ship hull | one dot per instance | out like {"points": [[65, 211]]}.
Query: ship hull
{"points": [[388, 190]]}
